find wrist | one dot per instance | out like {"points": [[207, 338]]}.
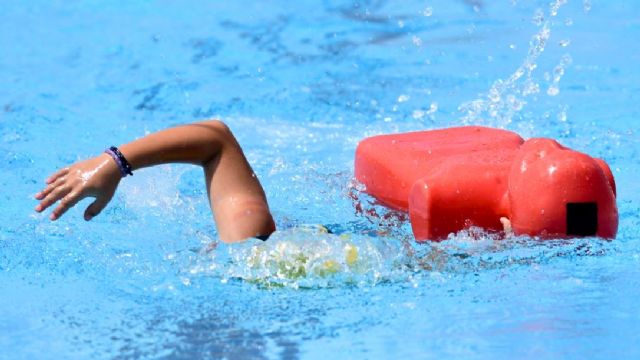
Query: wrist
{"points": [[123, 165], [109, 165]]}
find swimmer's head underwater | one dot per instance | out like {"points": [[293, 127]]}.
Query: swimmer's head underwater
{"points": [[440, 199]]}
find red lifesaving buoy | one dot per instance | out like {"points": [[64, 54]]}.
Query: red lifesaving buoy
{"points": [[454, 178]]}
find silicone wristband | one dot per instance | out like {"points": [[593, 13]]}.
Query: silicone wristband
{"points": [[123, 164]]}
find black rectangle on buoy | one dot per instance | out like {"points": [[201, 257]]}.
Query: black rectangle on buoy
{"points": [[582, 218]]}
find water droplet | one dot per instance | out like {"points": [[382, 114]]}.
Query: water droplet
{"points": [[562, 115], [530, 87], [433, 108], [403, 98], [428, 11], [507, 96], [538, 17], [564, 43], [494, 95], [555, 6], [416, 41]]}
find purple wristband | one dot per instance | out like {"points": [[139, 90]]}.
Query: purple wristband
{"points": [[121, 161]]}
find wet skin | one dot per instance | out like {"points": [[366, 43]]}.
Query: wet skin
{"points": [[236, 197]]}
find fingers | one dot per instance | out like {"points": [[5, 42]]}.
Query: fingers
{"points": [[57, 174], [96, 207], [42, 194], [69, 185], [54, 195], [67, 202]]}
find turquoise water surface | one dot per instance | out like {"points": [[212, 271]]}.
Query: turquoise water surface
{"points": [[300, 83]]}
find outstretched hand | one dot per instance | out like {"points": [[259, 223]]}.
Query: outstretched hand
{"points": [[97, 177]]}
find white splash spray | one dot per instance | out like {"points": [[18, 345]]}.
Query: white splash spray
{"points": [[507, 97], [558, 72]]}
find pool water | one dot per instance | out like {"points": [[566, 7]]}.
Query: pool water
{"points": [[300, 83]]}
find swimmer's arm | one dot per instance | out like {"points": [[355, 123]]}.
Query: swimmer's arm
{"points": [[236, 197]]}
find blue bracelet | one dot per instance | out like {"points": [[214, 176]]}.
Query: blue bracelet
{"points": [[123, 164]]}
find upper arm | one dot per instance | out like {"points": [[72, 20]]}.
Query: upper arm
{"points": [[236, 196]]}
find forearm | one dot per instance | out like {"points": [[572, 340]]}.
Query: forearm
{"points": [[195, 143]]}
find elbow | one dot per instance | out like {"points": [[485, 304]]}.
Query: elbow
{"points": [[218, 138], [251, 222], [220, 129], [216, 124]]}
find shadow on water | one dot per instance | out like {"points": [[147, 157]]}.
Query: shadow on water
{"points": [[211, 336]]}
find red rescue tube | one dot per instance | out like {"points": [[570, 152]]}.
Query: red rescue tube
{"points": [[454, 178]]}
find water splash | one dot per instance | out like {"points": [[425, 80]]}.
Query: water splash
{"points": [[555, 6], [311, 257], [507, 97], [558, 72], [306, 257]]}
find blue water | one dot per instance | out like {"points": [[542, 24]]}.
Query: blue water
{"points": [[300, 83]]}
